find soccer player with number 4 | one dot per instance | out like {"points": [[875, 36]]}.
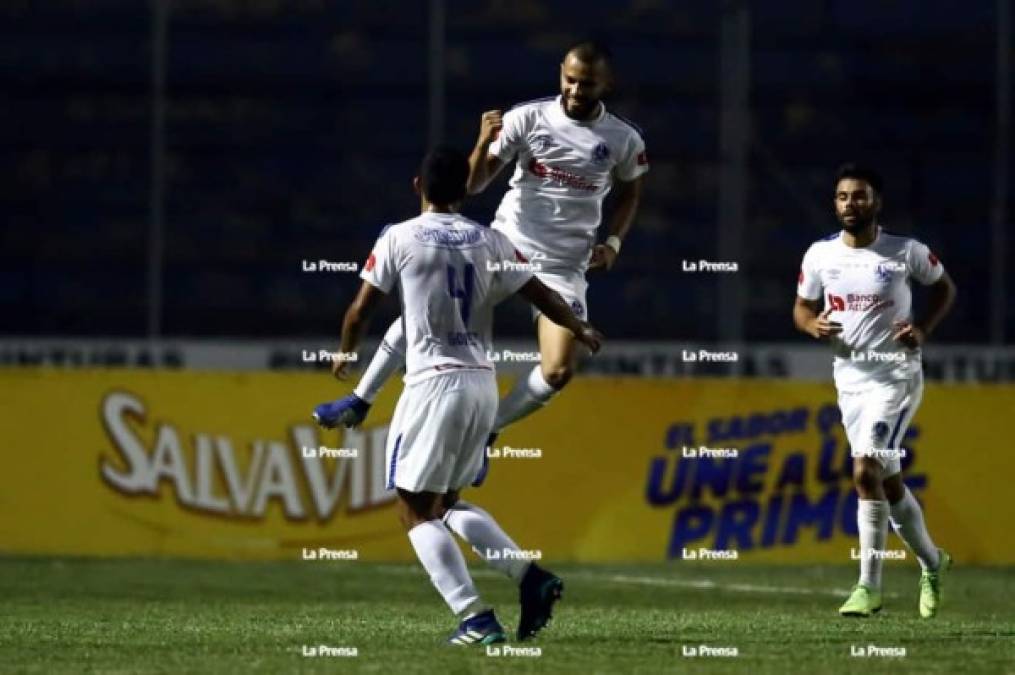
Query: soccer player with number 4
{"points": [[863, 274], [450, 274], [570, 153]]}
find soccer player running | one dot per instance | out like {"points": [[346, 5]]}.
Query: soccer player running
{"points": [[570, 153], [863, 274], [451, 272]]}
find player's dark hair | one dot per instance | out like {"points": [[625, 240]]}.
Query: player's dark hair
{"points": [[592, 51], [444, 173], [861, 172]]}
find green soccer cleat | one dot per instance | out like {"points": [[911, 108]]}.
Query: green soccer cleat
{"points": [[930, 586], [863, 601]]}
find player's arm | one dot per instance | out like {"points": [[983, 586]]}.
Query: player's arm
{"points": [[549, 302], [808, 318], [354, 324], [942, 297], [807, 315], [484, 166], [628, 196]]}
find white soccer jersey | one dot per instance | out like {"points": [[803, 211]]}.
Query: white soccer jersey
{"points": [[868, 290], [565, 169], [451, 271]]}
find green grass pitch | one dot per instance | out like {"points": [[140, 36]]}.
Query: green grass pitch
{"points": [[164, 616]]}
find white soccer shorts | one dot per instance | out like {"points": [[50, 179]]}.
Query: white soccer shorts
{"points": [[438, 433], [571, 285], [876, 420]]}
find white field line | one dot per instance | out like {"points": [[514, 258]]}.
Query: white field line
{"points": [[695, 584]]}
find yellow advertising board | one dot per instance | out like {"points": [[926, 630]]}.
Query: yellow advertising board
{"points": [[229, 465]]}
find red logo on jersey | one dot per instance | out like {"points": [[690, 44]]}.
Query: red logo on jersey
{"points": [[561, 176], [932, 258], [837, 303], [370, 263], [642, 158], [519, 257]]}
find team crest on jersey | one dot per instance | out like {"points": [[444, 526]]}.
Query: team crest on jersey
{"points": [[541, 142], [600, 153], [879, 434], [883, 273], [577, 309]]}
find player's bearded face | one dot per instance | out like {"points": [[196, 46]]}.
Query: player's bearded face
{"points": [[581, 86], [856, 205]]}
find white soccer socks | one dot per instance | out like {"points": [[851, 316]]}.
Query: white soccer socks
{"points": [[907, 521], [487, 539], [872, 522], [527, 396], [443, 561], [389, 357]]}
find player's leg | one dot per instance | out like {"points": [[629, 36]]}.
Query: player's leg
{"points": [[389, 357], [420, 466], [908, 522], [872, 509], [443, 560], [351, 410], [906, 518], [538, 588], [872, 519], [486, 537], [558, 355]]}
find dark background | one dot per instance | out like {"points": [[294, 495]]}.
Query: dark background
{"points": [[293, 130]]}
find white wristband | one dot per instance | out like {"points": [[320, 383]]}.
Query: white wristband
{"points": [[613, 241]]}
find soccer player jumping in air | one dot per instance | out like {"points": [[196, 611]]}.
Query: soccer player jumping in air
{"points": [[863, 274], [451, 273], [570, 153]]}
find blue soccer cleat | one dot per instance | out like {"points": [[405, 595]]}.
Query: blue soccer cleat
{"points": [[482, 629], [538, 593], [349, 410], [485, 469]]}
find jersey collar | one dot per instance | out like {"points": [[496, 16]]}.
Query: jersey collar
{"points": [[444, 218], [877, 237]]}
